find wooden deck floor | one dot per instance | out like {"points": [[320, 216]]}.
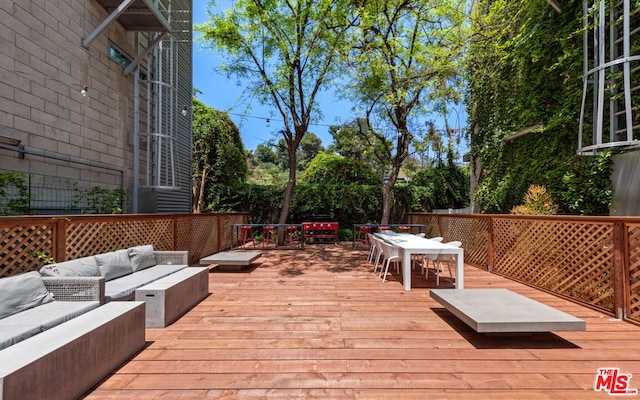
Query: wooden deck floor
{"points": [[317, 323]]}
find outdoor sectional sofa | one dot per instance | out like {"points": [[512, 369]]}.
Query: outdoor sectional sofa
{"points": [[57, 340], [123, 270], [62, 330], [163, 279]]}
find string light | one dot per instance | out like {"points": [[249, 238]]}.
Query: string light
{"points": [[268, 120]]}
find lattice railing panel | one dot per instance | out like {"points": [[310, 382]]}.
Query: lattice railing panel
{"points": [[429, 220], [227, 220], [199, 235], [20, 246], [86, 238], [472, 232], [633, 278], [573, 259]]}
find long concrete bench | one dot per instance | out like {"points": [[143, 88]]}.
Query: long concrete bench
{"points": [[504, 311], [170, 297], [69, 359]]}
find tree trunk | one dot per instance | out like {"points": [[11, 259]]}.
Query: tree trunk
{"points": [[402, 151], [288, 193], [198, 194], [386, 195]]}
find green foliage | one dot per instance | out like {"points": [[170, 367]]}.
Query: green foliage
{"points": [[524, 69], [14, 193], [262, 202], [217, 146], [348, 204], [447, 186], [330, 169], [218, 153], [103, 201], [586, 188], [356, 141], [41, 255]]}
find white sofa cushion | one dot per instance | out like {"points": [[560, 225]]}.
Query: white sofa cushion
{"points": [[125, 286], [21, 292], [114, 264], [85, 266], [142, 257]]}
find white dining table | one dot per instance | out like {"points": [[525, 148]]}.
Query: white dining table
{"points": [[411, 244]]}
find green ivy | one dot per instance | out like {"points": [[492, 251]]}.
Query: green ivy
{"points": [[524, 69]]}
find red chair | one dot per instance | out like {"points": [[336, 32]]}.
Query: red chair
{"points": [[384, 228], [405, 229], [362, 235], [292, 235], [246, 235], [269, 234]]}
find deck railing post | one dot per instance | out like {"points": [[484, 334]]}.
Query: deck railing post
{"points": [[489, 244], [620, 267], [59, 239]]}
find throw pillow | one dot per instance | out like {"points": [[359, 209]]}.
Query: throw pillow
{"points": [[142, 257], [114, 264], [21, 292]]}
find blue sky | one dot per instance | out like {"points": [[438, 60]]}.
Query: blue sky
{"points": [[224, 95]]}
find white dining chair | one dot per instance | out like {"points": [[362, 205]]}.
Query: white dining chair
{"points": [[372, 249], [445, 259], [391, 255], [378, 255], [430, 257]]}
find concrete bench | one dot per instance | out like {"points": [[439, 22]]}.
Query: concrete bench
{"points": [[69, 359], [170, 297], [231, 260], [503, 311]]}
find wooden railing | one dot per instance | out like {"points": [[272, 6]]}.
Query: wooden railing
{"points": [[25, 242], [591, 260]]}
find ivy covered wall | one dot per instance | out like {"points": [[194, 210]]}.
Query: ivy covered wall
{"points": [[525, 73]]}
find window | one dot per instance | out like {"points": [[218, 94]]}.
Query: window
{"points": [[119, 56]]}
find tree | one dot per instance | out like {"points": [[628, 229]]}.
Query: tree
{"points": [[218, 153], [285, 50], [331, 169], [265, 154], [310, 146], [404, 53], [349, 140]]}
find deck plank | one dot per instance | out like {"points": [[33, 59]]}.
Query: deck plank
{"points": [[318, 323]]}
